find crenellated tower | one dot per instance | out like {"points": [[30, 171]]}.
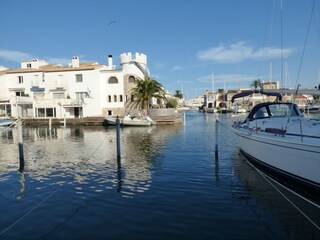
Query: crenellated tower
{"points": [[129, 61]]}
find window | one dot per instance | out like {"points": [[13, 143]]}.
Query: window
{"points": [[20, 79], [78, 77], [45, 112], [41, 112], [109, 98], [121, 98], [20, 94], [28, 65], [58, 95], [113, 80], [261, 113], [131, 79], [115, 98], [50, 112]]}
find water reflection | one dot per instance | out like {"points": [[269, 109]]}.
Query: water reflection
{"points": [[295, 214], [86, 157]]}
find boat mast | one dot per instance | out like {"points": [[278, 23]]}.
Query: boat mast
{"points": [[281, 32], [270, 71], [212, 88]]}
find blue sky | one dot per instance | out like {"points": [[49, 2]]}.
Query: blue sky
{"points": [[186, 41]]}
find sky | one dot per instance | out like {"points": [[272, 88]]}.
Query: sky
{"points": [[191, 45]]}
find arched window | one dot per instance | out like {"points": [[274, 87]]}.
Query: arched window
{"points": [[112, 80], [131, 79]]}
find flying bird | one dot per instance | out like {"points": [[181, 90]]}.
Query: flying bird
{"points": [[112, 22]]}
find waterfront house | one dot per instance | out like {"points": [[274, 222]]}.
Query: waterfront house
{"points": [[41, 90]]}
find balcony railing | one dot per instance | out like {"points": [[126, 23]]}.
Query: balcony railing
{"points": [[21, 100]]}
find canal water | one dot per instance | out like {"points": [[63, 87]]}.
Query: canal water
{"points": [[167, 185]]}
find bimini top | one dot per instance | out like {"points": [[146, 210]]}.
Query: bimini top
{"points": [[273, 109], [247, 93]]}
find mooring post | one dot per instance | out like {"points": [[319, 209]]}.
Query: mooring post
{"points": [[20, 145], [118, 137], [216, 138], [64, 121], [50, 123]]}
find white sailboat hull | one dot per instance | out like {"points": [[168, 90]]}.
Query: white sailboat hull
{"points": [[297, 160], [280, 141]]}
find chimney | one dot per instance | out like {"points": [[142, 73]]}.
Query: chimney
{"points": [[110, 62], [75, 62]]}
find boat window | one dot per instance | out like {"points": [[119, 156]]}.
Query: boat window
{"points": [[261, 113], [282, 110]]}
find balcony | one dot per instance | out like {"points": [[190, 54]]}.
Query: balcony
{"points": [[21, 100], [72, 102]]}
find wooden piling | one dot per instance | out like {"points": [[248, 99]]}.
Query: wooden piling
{"points": [[118, 137], [20, 146], [216, 138]]}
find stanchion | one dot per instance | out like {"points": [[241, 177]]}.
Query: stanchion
{"points": [[216, 138], [21, 154]]}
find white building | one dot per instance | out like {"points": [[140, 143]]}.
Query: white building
{"points": [[41, 90]]}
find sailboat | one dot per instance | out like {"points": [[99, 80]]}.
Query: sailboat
{"points": [[280, 141]]}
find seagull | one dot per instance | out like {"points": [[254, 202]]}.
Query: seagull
{"points": [[112, 22]]}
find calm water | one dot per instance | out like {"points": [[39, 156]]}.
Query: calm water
{"points": [[168, 185]]}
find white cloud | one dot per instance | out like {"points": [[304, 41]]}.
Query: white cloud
{"points": [[177, 68], [239, 52], [63, 61], [15, 56], [159, 65]]}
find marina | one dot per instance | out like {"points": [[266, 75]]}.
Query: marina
{"points": [[168, 184]]}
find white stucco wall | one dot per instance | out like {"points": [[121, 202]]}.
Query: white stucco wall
{"points": [[94, 82]]}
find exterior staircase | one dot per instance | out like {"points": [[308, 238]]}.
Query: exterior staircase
{"points": [[130, 106]]}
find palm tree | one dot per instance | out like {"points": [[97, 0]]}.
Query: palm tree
{"points": [[255, 84], [146, 89], [178, 94]]}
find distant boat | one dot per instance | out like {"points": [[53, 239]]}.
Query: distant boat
{"points": [[6, 122], [211, 110], [128, 120], [279, 140], [239, 109], [312, 108]]}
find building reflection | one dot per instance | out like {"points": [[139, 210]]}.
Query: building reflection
{"points": [[86, 156]]}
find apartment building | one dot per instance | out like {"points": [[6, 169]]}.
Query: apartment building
{"points": [[41, 90]]}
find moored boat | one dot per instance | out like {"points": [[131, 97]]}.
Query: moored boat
{"points": [[129, 120], [6, 122], [277, 138], [239, 109]]}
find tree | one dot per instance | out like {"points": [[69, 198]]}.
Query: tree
{"points": [[146, 89], [178, 94], [172, 103], [220, 90], [256, 84]]}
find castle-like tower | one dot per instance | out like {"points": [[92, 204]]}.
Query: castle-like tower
{"points": [[129, 62]]}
